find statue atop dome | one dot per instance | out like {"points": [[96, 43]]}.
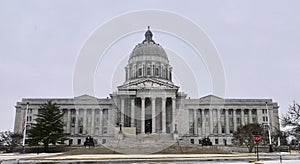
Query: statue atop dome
{"points": [[148, 36]]}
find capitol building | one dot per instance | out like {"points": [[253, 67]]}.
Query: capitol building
{"points": [[148, 104]]}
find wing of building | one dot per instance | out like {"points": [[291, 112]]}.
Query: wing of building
{"points": [[149, 104]]}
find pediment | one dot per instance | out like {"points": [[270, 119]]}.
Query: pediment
{"points": [[148, 84], [85, 96], [211, 98]]}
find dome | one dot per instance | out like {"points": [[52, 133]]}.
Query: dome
{"points": [[148, 50], [148, 60]]}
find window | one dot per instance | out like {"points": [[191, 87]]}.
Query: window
{"points": [[156, 71], [79, 141], [140, 72], [192, 141], [80, 129], [71, 142], [103, 141], [73, 120], [148, 71], [216, 141]]}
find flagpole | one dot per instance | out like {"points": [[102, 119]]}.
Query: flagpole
{"points": [[25, 124], [269, 129]]}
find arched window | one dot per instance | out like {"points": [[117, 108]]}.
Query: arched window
{"points": [[156, 71], [140, 71], [148, 71]]}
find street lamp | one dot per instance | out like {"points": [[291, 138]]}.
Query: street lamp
{"points": [[269, 130], [25, 126]]}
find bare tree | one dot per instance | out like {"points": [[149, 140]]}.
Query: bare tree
{"points": [[10, 140], [291, 120]]}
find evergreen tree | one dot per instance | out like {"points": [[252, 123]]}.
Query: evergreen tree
{"points": [[48, 128]]}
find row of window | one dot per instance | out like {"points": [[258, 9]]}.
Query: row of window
{"points": [[192, 141], [157, 71]]}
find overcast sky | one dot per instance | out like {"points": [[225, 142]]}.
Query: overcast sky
{"points": [[258, 43]]}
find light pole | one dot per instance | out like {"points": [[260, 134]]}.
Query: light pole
{"points": [[269, 129], [25, 126]]}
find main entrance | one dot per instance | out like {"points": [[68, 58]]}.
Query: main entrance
{"points": [[148, 126]]}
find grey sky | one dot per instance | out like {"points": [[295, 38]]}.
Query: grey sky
{"points": [[258, 42]]}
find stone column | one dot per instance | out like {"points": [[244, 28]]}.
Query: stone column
{"points": [[153, 114], [69, 121], [143, 116], [84, 130], [203, 121], [242, 117], [77, 121], [219, 121], [210, 122], [227, 122], [173, 113], [163, 110], [259, 116], [93, 122], [195, 122], [101, 122], [122, 111], [250, 115], [234, 120], [132, 112]]}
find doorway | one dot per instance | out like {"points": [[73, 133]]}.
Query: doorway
{"points": [[148, 126]]}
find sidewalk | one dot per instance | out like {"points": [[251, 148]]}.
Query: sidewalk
{"points": [[136, 157]]}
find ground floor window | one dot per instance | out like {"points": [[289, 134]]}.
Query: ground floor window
{"points": [[216, 141], [192, 141], [79, 141]]}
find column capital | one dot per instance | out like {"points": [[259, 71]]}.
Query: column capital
{"points": [[153, 98]]}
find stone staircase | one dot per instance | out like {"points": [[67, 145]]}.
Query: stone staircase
{"points": [[141, 144]]}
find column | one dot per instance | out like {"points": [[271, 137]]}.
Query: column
{"points": [[250, 115], [242, 117], [234, 119], [132, 112], [143, 116], [101, 122], [122, 111], [76, 121], [173, 113], [69, 121], [163, 110], [153, 114], [259, 116], [219, 121], [210, 122], [227, 122], [195, 122], [203, 121], [84, 130], [93, 122]]}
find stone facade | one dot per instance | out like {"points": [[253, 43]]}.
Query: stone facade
{"points": [[149, 104]]}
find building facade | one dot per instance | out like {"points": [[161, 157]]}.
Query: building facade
{"points": [[148, 104]]}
